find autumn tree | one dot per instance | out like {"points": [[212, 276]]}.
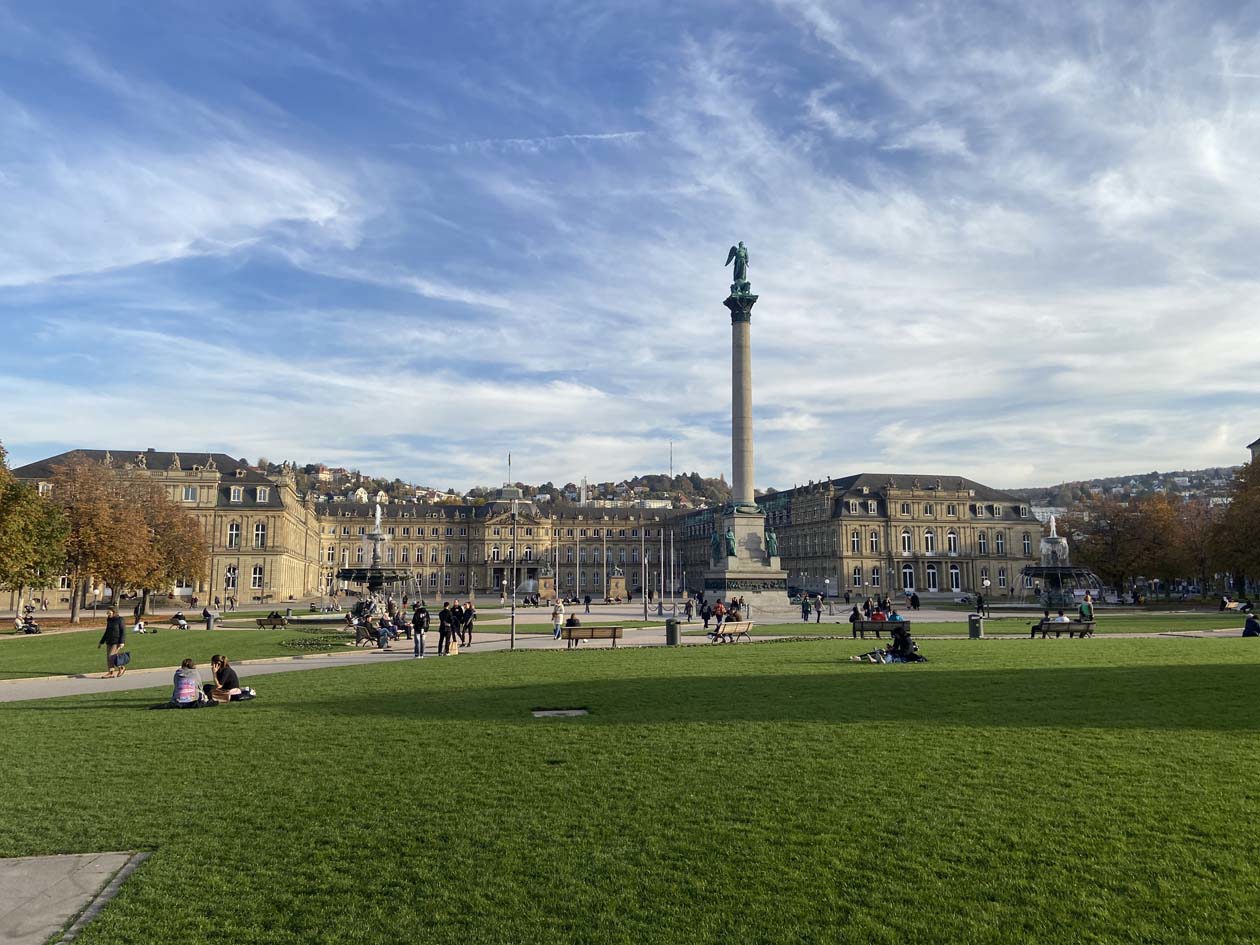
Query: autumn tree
{"points": [[1111, 538], [179, 547], [1237, 533], [32, 535]]}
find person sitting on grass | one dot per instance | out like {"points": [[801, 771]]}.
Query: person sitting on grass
{"points": [[1252, 627], [188, 693], [226, 685]]}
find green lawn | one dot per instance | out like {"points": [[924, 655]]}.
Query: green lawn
{"points": [[1126, 623], [1004, 792], [61, 654]]}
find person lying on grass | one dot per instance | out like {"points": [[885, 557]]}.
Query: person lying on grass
{"points": [[901, 649], [1252, 627], [188, 693]]}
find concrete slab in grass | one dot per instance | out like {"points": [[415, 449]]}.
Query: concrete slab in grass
{"points": [[51, 898]]}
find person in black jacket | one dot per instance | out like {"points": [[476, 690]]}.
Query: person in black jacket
{"points": [[419, 627], [445, 629], [113, 638]]}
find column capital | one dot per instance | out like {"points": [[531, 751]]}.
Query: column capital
{"points": [[741, 307]]}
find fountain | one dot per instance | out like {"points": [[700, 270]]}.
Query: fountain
{"points": [[1057, 582], [374, 575]]}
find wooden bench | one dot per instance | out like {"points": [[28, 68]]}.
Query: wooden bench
{"points": [[274, 623], [1074, 628], [861, 626], [574, 635], [732, 630]]}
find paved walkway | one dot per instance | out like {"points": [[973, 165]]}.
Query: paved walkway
{"points": [[40, 896]]}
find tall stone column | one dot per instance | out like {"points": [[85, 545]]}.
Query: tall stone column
{"points": [[742, 494]]}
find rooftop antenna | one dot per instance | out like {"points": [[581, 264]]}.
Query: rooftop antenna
{"points": [[671, 460], [509, 481]]}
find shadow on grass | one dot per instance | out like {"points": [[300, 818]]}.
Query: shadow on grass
{"points": [[1209, 697]]}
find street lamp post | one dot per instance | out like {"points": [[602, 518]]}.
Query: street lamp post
{"points": [[512, 630], [643, 568]]}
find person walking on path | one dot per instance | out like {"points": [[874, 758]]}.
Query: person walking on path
{"points": [[445, 629], [587, 602], [689, 609], [805, 607], [113, 638], [818, 609], [457, 623], [419, 626], [557, 618]]}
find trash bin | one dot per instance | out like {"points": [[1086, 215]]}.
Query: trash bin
{"points": [[288, 613], [673, 632], [210, 622], [975, 627]]}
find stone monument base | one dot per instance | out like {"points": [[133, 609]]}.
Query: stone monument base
{"points": [[617, 587], [751, 572], [547, 588]]}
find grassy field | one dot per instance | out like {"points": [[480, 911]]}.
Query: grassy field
{"points": [[1004, 792], [1126, 623]]}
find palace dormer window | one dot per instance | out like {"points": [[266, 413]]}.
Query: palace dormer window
{"points": [[264, 494], [235, 494]]}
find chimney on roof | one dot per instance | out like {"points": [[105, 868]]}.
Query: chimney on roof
{"points": [[150, 450]]}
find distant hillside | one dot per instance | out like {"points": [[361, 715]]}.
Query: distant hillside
{"points": [[1205, 484]]}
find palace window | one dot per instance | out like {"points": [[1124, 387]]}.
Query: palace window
{"points": [[463, 555], [446, 556], [907, 541], [951, 542], [905, 508], [997, 511], [929, 509], [1027, 545], [345, 529], [358, 555], [446, 579], [984, 575], [263, 493], [450, 532], [389, 555], [45, 490], [872, 507], [1028, 582], [463, 531], [433, 532], [874, 542], [874, 577], [568, 555], [495, 531], [331, 556], [955, 578], [951, 510], [929, 542], [234, 535], [982, 542], [856, 580], [931, 578], [433, 555], [235, 494], [256, 577], [853, 506], [190, 492], [621, 555], [432, 579], [1001, 577], [907, 578], [362, 530], [1023, 511], [999, 541], [529, 552], [260, 535], [404, 554]]}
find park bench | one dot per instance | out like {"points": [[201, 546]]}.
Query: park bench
{"points": [[1074, 628], [732, 630], [273, 623], [574, 635], [861, 626]]}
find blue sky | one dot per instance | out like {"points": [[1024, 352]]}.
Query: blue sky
{"points": [[991, 240]]}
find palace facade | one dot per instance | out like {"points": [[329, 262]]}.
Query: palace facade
{"points": [[866, 534]]}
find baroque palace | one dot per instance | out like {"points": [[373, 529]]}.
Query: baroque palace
{"points": [[867, 534]]}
